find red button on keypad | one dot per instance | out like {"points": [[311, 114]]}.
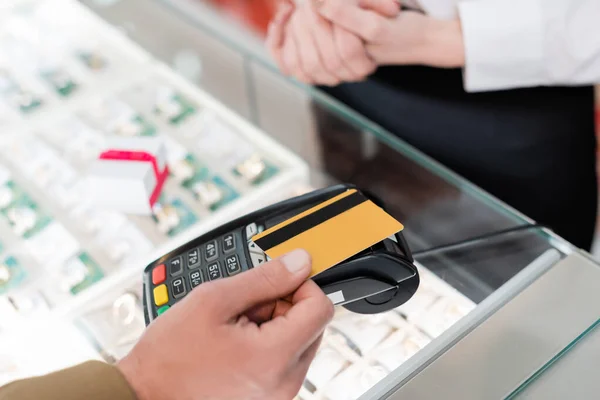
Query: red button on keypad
{"points": [[159, 274]]}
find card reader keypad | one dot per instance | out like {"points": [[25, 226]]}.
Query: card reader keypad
{"points": [[219, 258]]}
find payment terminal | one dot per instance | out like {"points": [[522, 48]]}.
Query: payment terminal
{"points": [[376, 279]]}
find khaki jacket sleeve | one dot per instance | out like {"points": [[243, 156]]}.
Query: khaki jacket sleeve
{"points": [[92, 380]]}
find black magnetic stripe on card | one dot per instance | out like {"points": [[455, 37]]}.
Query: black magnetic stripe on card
{"points": [[310, 221]]}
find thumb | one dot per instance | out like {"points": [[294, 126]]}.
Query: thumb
{"points": [[271, 281], [387, 8]]}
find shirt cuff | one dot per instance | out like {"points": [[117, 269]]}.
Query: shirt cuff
{"points": [[504, 44]]}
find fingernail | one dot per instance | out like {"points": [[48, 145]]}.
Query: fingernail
{"points": [[296, 261]]}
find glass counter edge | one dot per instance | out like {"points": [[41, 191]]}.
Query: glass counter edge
{"points": [[387, 387]]}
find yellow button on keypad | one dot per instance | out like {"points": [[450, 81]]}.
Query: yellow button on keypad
{"points": [[160, 295]]}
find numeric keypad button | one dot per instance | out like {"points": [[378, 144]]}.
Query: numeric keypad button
{"points": [[196, 278], [178, 286], [232, 264], [210, 251], [214, 272], [175, 266], [228, 243], [193, 257]]}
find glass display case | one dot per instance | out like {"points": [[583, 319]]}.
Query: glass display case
{"points": [[239, 136]]}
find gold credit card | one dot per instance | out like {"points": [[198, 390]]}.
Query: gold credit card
{"points": [[332, 231]]}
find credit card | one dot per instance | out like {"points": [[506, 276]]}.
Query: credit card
{"points": [[332, 231]]}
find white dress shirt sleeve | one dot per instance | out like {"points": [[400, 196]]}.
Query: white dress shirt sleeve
{"points": [[524, 43]]}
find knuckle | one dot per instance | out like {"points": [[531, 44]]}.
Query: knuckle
{"points": [[374, 30], [367, 69], [350, 49], [329, 310], [313, 66], [333, 64], [326, 309]]}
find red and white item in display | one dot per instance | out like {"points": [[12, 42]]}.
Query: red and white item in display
{"points": [[129, 175]]}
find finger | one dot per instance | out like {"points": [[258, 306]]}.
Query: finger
{"points": [[262, 313], [281, 309], [276, 29], [324, 41], [387, 8], [276, 34], [310, 58], [294, 331], [368, 25], [265, 312], [353, 52], [291, 56], [269, 282]]}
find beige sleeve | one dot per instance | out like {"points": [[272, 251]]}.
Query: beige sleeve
{"points": [[92, 380]]}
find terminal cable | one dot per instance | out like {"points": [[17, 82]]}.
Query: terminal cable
{"points": [[476, 239]]}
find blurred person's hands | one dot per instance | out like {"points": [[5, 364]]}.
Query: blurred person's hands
{"points": [[313, 50], [410, 38], [234, 338]]}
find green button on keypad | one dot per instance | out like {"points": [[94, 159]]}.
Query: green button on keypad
{"points": [[162, 310]]}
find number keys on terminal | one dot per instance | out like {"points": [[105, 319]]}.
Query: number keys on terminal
{"points": [[195, 278], [178, 287], [193, 257], [214, 272], [228, 242], [211, 250], [233, 265]]}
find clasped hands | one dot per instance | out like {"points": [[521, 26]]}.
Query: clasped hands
{"points": [[327, 42]]}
